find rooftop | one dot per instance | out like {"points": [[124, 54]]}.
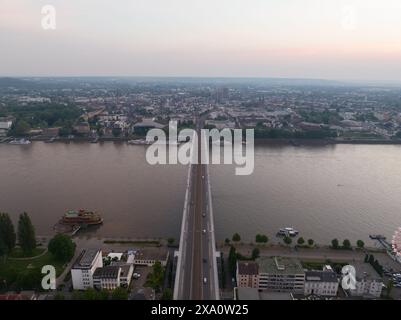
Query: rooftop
{"points": [[86, 258], [321, 276], [149, 123], [247, 267], [109, 272], [157, 254], [247, 294], [279, 265]]}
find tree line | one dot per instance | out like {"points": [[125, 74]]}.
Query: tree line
{"points": [[25, 234]]}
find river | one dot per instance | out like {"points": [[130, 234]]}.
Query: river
{"points": [[325, 192]]}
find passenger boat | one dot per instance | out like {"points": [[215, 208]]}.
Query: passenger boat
{"points": [[20, 141], [81, 217]]}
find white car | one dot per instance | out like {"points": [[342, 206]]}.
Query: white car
{"points": [[205, 280]]}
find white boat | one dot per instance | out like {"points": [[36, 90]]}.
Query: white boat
{"points": [[139, 142], [20, 141], [289, 231]]}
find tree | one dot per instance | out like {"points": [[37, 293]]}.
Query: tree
{"points": [[156, 277], [167, 294], [311, 242], [236, 237], [227, 241], [360, 244], [7, 233], [301, 241], [77, 295], [170, 241], [26, 234], [90, 294], [390, 286], [119, 294], [232, 261], [62, 247], [255, 253], [59, 296], [3, 249], [346, 244], [287, 240], [261, 238], [103, 294], [21, 128], [334, 244]]}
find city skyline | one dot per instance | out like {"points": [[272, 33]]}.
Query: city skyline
{"points": [[339, 40]]}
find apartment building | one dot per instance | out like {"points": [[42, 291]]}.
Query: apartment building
{"points": [[107, 278], [272, 274], [84, 267], [321, 282], [247, 274], [369, 284]]}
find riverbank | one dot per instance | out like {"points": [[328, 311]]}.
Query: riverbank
{"points": [[258, 141], [323, 142]]}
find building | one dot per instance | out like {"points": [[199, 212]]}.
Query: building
{"points": [[247, 274], [118, 274], [51, 132], [126, 275], [5, 125], [321, 282], [271, 274], [107, 278], [281, 274], [368, 282], [82, 128], [149, 256], [256, 294], [145, 125], [243, 293], [84, 267]]}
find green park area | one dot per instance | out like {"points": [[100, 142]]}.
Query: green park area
{"points": [[18, 271], [21, 261]]}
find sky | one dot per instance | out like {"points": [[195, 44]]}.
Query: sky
{"points": [[321, 39]]}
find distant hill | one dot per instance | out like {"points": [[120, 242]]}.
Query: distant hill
{"points": [[13, 82]]}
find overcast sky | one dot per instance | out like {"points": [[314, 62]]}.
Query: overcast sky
{"points": [[327, 39]]}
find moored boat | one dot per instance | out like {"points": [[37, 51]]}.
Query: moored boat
{"points": [[22, 141], [139, 142], [81, 217], [288, 231]]}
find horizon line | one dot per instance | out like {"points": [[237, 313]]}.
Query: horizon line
{"points": [[371, 81]]}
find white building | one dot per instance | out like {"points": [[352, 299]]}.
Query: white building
{"points": [[5, 125], [113, 276], [149, 256], [322, 282], [368, 282], [84, 268], [126, 275], [107, 278]]}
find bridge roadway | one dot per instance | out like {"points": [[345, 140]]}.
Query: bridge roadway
{"points": [[196, 273]]}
